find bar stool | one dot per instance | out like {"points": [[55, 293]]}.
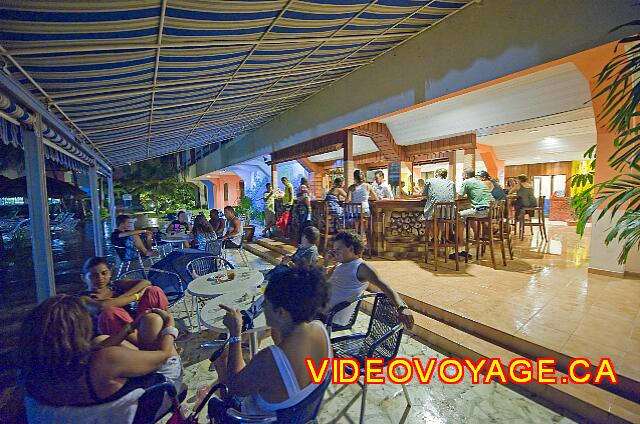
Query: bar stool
{"points": [[444, 227], [485, 232], [537, 213], [328, 224], [354, 220]]}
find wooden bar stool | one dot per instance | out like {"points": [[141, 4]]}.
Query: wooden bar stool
{"points": [[443, 229], [486, 231], [328, 224], [537, 213], [355, 221]]}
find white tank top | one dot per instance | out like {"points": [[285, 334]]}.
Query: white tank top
{"points": [[360, 194], [237, 239], [345, 286]]}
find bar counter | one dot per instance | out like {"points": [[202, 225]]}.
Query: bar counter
{"points": [[398, 228]]}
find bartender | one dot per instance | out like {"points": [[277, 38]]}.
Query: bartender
{"points": [[380, 187]]}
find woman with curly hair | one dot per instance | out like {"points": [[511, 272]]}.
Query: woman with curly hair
{"points": [[63, 365], [277, 377]]}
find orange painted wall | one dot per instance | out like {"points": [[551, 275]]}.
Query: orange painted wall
{"points": [[234, 190]]}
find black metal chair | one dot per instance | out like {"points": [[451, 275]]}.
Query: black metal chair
{"points": [[172, 286], [202, 266], [332, 326], [382, 340], [214, 247], [304, 411], [126, 257], [133, 274]]}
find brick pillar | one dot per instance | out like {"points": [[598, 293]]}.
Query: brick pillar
{"points": [[348, 164], [470, 159]]}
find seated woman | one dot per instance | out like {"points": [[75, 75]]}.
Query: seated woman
{"points": [[526, 198], [202, 233], [306, 255], [277, 377], [333, 199], [63, 366], [109, 298]]}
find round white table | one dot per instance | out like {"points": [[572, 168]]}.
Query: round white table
{"points": [[208, 286], [212, 314], [178, 239]]}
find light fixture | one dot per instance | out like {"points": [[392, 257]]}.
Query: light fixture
{"points": [[533, 131]]}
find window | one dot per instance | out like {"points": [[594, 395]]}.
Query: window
{"points": [[226, 192], [241, 187]]}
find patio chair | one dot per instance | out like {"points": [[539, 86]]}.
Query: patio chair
{"points": [[173, 287], [127, 257], [134, 274], [304, 411], [333, 327], [240, 249], [202, 266], [214, 247], [140, 406], [382, 340]]}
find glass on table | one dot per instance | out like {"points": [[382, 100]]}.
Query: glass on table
{"points": [[231, 274]]}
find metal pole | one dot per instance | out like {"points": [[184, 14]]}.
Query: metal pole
{"points": [[39, 211], [95, 211], [112, 203]]}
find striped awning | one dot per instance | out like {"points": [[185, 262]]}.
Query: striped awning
{"points": [[144, 78]]}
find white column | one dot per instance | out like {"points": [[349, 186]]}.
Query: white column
{"points": [[95, 211], [112, 202], [39, 211]]}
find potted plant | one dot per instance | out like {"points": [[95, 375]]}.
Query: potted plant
{"points": [[244, 211]]}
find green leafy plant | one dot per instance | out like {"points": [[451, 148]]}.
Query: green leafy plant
{"points": [[618, 83]]}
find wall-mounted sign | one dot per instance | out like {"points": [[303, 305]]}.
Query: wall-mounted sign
{"points": [[126, 197], [394, 173]]}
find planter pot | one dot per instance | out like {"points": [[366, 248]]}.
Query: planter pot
{"points": [[249, 231]]}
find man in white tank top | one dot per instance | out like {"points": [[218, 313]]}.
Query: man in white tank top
{"points": [[352, 276]]}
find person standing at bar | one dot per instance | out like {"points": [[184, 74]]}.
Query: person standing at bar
{"points": [[380, 187]]}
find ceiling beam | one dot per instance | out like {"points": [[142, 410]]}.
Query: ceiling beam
{"points": [[382, 138], [90, 48]]}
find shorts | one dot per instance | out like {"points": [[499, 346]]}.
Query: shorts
{"points": [[474, 213], [269, 216]]}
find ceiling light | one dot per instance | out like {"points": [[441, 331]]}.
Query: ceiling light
{"points": [[533, 131], [550, 140]]}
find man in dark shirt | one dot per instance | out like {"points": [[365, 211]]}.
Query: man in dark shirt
{"points": [[123, 237]]}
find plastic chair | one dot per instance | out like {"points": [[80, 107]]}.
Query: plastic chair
{"points": [[140, 406], [382, 340]]}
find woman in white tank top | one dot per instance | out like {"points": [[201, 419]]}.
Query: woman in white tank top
{"points": [[277, 378], [361, 192]]}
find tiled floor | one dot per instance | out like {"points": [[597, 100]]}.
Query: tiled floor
{"points": [[545, 296], [433, 403]]}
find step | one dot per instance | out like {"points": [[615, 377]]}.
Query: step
{"points": [[466, 338], [279, 246], [267, 254], [582, 402]]}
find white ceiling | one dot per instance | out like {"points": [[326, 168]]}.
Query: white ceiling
{"points": [[361, 146], [554, 102]]}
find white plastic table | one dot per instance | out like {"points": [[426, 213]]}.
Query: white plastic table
{"points": [[212, 314], [208, 286]]}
